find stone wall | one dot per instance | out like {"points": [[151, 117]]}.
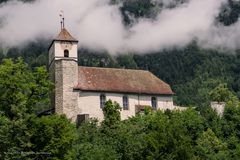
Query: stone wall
{"points": [[218, 107], [66, 77], [52, 78]]}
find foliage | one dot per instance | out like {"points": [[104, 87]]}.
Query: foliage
{"points": [[111, 113], [231, 119], [221, 94], [188, 134], [91, 144], [22, 91], [147, 110], [15, 138], [53, 135], [163, 135], [22, 134], [210, 147], [175, 135], [127, 61]]}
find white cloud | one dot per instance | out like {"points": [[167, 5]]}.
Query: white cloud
{"points": [[98, 25]]}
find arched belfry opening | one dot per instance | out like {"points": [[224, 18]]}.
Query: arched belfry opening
{"points": [[66, 53]]}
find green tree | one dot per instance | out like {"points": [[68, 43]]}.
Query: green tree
{"points": [[14, 138], [221, 94], [52, 137], [111, 113], [209, 146], [166, 138], [231, 119], [22, 134], [211, 119], [22, 91], [92, 144], [127, 61]]}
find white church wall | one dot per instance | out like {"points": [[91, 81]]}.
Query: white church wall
{"points": [[165, 102], [61, 46], [89, 103], [144, 100], [132, 101]]}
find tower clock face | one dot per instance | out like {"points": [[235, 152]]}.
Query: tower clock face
{"points": [[66, 45]]}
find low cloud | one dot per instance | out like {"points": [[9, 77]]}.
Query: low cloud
{"points": [[99, 26]]}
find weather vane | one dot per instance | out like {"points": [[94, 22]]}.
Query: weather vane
{"points": [[62, 19]]}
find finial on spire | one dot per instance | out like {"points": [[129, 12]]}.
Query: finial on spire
{"points": [[62, 19]]}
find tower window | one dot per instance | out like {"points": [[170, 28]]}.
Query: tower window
{"points": [[102, 100], [154, 103], [125, 103], [66, 53]]}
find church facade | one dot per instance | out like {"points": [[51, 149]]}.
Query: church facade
{"points": [[82, 91]]}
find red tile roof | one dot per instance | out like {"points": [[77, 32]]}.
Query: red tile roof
{"points": [[121, 81], [64, 35]]}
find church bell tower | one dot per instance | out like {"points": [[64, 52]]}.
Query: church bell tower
{"points": [[63, 68]]}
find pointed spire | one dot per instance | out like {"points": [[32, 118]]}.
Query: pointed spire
{"points": [[64, 35]]}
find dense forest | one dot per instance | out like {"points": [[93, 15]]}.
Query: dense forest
{"points": [[196, 75], [188, 134]]}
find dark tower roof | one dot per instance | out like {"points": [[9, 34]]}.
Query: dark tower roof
{"points": [[64, 35]]}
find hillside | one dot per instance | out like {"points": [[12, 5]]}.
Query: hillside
{"points": [[120, 34], [191, 71]]}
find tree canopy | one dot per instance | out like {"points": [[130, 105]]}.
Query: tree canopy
{"points": [[188, 134], [23, 135]]}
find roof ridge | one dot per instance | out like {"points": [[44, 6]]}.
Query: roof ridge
{"points": [[115, 68]]}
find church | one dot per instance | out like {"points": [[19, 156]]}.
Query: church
{"points": [[81, 92]]}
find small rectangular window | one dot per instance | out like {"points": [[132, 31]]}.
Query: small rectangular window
{"points": [[102, 100], [125, 103], [154, 103]]}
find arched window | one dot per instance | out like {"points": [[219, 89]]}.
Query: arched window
{"points": [[102, 100], [154, 102], [125, 103], [66, 53]]}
